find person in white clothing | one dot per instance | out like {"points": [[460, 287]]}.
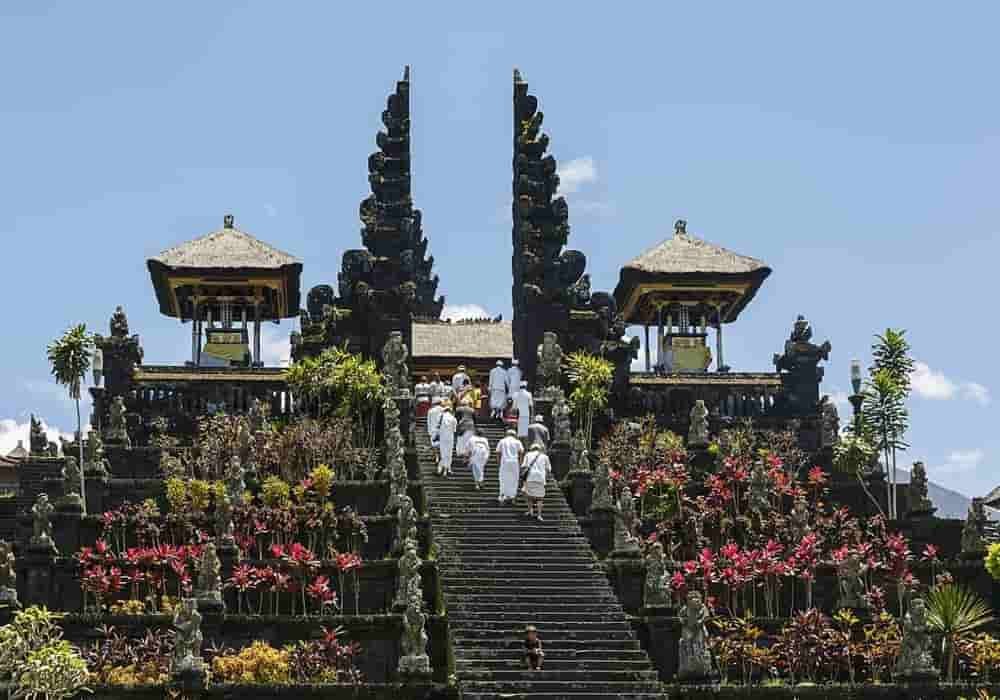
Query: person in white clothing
{"points": [[513, 378], [446, 441], [459, 379], [510, 450], [524, 402], [479, 454], [434, 423], [439, 391], [536, 468], [498, 390]]}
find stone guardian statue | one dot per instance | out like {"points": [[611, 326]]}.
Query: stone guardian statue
{"points": [[550, 359], [394, 356], [655, 588], [698, 429], [915, 661], [695, 659]]}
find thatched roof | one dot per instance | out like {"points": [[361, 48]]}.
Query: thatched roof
{"points": [[17, 453], [686, 254], [486, 339], [226, 248]]}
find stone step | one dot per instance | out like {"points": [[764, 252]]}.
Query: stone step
{"points": [[560, 647], [587, 675], [540, 618], [507, 694], [570, 560], [514, 660], [502, 601], [593, 633], [490, 589], [573, 689], [550, 569]]}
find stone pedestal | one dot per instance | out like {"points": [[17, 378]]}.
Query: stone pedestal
{"points": [[601, 530], [229, 556], [406, 408], [660, 634], [97, 490], [211, 606], [66, 522], [559, 456], [190, 680], [38, 575], [579, 487]]}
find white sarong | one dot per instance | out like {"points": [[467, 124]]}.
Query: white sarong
{"points": [[510, 472]]}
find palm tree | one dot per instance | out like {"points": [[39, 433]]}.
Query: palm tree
{"points": [[886, 421], [891, 360], [955, 611], [591, 378], [70, 358]]}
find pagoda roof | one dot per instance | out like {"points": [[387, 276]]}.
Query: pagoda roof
{"points": [[227, 248], [693, 268], [17, 453], [480, 339]]}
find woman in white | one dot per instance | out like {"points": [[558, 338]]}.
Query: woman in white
{"points": [[479, 454], [510, 450], [524, 402], [446, 438], [536, 468]]}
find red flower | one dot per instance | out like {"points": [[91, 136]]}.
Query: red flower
{"points": [[930, 553], [817, 477]]}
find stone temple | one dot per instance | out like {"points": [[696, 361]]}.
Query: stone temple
{"points": [[187, 531]]}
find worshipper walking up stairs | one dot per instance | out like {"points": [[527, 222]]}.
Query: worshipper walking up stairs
{"points": [[502, 571]]}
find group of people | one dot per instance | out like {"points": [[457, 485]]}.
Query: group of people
{"points": [[451, 426]]}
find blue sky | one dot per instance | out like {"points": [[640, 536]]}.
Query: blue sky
{"points": [[854, 147]]}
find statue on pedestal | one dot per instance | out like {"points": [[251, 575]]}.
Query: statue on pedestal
{"points": [[849, 578], [920, 504], [235, 481], [187, 645], [625, 539], [801, 373], [394, 456], [95, 464], [119, 323], [41, 514], [759, 492], [224, 522], [695, 659], [71, 478], [601, 497], [208, 587], [117, 430], [578, 449], [698, 429], [8, 576], [406, 522], [655, 589], [974, 529], [830, 418], [38, 441], [799, 519], [562, 423], [394, 356], [414, 659], [550, 358], [915, 660], [409, 567]]}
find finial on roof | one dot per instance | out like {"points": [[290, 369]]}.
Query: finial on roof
{"points": [[680, 227], [227, 221], [517, 76], [406, 74]]}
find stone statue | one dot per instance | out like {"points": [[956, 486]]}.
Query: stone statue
{"points": [[799, 519], [850, 582], [695, 659], [256, 415], [38, 441], [550, 358], [94, 461], [394, 356], [41, 514], [71, 477], [625, 538], [408, 568], [698, 429], [394, 456], [52, 450], [235, 481], [406, 522], [224, 521], [759, 491], [208, 588], [578, 447], [915, 660], [117, 430], [119, 323], [562, 424], [974, 530], [601, 497], [414, 659], [830, 434], [801, 373], [920, 504], [187, 645], [8, 576], [655, 589]]}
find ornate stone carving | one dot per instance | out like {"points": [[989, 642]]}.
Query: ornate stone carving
{"points": [[915, 661], [830, 434], [601, 497], [41, 514], [799, 519], [38, 441], [395, 456], [550, 358], [187, 646], [8, 576], [406, 522], [224, 522], [627, 520], [208, 588], [759, 491], [974, 530], [235, 480], [562, 422], [655, 588], [698, 428], [95, 463], [394, 356], [801, 373], [849, 578], [117, 430], [695, 659], [414, 659], [119, 323], [408, 568], [71, 478], [920, 504]]}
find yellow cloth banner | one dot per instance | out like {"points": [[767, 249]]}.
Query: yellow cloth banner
{"points": [[232, 352]]}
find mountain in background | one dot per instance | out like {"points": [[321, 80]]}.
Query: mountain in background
{"points": [[949, 504]]}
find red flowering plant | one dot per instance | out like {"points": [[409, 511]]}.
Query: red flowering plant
{"points": [[349, 562], [144, 573], [321, 594]]}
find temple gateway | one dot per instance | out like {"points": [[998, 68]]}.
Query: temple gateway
{"points": [[301, 518]]}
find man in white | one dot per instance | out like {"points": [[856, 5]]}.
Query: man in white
{"points": [[478, 456], [536, 468], [434, 423], [458, 379], [513, 377], [446, 441], [498, 390], [510, 450], [438, 389], [422, 392], [524, 402]]}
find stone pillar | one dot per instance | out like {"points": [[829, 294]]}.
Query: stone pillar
{"points": [[602, 530], [38, 566], [719, 363], [649, 367], [659, 335]]}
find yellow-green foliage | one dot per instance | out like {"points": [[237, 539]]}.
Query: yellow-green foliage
{"points": [[53, 672], [275, 492], [993, 560], [259, 664], [199, 494], [177, 494], [128, 607], [135, 675], [322, 479]]}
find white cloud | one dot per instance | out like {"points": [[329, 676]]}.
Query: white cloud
{"points": [[459, 312], [930, 384], [960, 461], [576, 172], [275, 346], [11, 431]]}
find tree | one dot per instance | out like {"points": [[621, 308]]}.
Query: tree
{"points": [[69, 357], [955, 611], [591, 378]]}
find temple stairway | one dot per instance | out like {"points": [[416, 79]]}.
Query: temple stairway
{"points": [[501, 571]]}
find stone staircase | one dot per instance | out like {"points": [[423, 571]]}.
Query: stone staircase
{"points": [[501, 570]]}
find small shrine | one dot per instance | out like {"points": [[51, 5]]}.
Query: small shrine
{"points": [[682, 287], [225, 284]]}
